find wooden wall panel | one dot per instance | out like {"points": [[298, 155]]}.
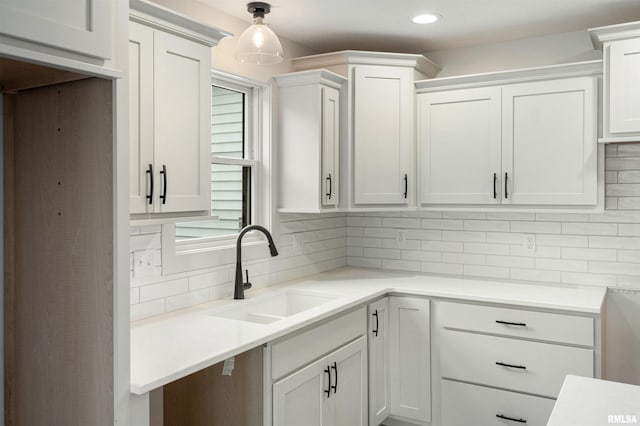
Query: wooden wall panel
{"points": [[60, 301], [207, 398]]}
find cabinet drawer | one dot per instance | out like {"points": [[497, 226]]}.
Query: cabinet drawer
{"points": [[464, 404], [561, 328], [294, 352], [537, 368]]}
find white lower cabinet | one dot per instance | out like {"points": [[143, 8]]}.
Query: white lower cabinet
{"points": [[502, 365], [410, 359], [331, 391], [319, 377], [464, 404]]}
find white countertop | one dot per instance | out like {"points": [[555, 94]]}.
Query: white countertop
{"points": [[591, 402], [173, 346]]}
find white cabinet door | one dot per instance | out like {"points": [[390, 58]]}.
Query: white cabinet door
{"points": [[379, 378], [410, 358], [460, 144], [624, 86], [330, 147], [81, 26], [299, 399], [141, 167], [383, 135], [182, 123], [549, 146], [348, 400], [329, 392]]}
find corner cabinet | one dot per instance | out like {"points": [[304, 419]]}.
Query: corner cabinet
{"points": [[490, 140], [309, 125], [170, 113], [377, 166], [621, 89], [379, 373]]}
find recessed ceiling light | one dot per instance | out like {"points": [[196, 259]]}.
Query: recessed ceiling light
{"points": [[426, 18]]}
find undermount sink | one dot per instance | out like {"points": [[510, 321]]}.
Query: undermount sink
{"points": [[271, 308]]}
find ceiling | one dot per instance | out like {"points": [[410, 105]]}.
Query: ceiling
{"points": [[385, 25]]}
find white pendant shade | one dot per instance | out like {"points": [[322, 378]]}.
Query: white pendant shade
{"points": [[259, 45]]}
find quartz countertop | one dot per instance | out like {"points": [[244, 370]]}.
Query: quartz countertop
{"points": [[172, 346], [584, 401]]}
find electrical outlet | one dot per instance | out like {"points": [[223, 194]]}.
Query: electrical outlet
{"points": [[143, 263], [530, 243], [401, 237]]}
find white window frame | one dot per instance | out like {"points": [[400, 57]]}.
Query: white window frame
{"points": [[210, 252]]}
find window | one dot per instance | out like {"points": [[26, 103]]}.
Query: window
{"points": [[240, 130]]}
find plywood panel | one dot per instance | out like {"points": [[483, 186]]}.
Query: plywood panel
{"points": [[207, 398], [61, 355]]}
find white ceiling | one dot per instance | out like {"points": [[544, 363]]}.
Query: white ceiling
{"points": [[385, 25]]}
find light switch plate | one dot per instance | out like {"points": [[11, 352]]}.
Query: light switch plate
{"points": [[143, 264]]}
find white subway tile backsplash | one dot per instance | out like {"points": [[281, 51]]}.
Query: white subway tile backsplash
{"points": [[615, 268], [609, 255], [590, 228], [561, 265], [535, 275], [379, 232], [400, 222], [464, 215], [488, 248], [589, 279], [442, 268], [627, 176], [141, 242], [443, 224], [144, 310], [465, 236], [536, 227], [629, 203], [612, 164], [486, 271], [540, 251], [406, 244], [629, 150], [562, 217], [210, 279], [422, 256], [628, 256], [505, 238], [382, 253], [401, 265], [444, 246], [625, 243], [487, 225], [185, 300], [629, 230], [163, 289], [364, 221], [467, 259], [562, 240], [511, 261], [511, 216], [364, 262], [364, 242]]}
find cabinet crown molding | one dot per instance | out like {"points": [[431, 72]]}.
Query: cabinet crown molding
{"points": [[301, 78], [420, 63], [609, 33], [574, 69], [153, 15]]}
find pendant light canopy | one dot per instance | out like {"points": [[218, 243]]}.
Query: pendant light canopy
{"points": [[258, 44]]}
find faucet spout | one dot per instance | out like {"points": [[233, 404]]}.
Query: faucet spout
{"points": [[240, 286]]}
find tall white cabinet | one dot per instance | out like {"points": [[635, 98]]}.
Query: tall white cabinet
{"points": [[170, 112], [621, 89], [309, 117], [522, 138], [377, 165]]}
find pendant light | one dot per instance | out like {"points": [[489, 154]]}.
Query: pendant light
{"points": [[258, 44]]}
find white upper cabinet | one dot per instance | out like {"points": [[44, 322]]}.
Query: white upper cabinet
{"points": [[383, 135], [170, 114], [79, 26], [459, 131], [526, 144], [621, 89], [309, 126], [549, 153], [377, 159]]}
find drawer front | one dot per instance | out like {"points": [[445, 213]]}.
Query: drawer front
{"points": [[464, 404], [532, 367], [560, 328], [292, 353]]}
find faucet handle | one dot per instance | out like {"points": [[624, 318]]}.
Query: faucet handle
{"points": [[247, 284]]}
